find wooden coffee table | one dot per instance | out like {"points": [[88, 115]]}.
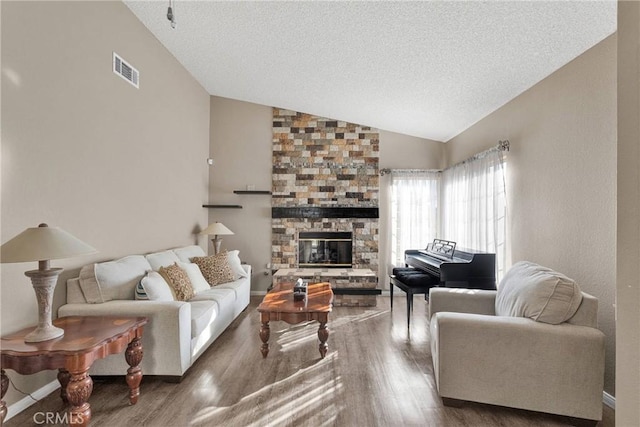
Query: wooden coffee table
{"points": [[278, 304], [85, 339]]}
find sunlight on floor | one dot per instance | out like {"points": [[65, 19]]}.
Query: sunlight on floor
{"points": [[317, 402]]}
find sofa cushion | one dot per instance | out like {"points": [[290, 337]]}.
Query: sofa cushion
{"points": [[179, 281], [117, 280], [198, 282], [186, 253], [539, 293], [238, 287], [202, 314], [162, 259], [215, 268], [153, 287], [223, 296], [89, 284], [74, 292], [236, 265]]}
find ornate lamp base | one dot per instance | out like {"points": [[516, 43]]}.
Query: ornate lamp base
{"points": [[217, 243], [44, 282]]}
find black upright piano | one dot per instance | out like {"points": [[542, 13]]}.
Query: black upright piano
{"points": [[453, 267], [442, 264]]}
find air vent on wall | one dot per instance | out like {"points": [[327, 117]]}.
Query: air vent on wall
{"points": [[125, 70]]}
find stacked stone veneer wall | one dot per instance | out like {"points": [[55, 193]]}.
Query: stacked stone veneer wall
{"points": [[319, 162]]}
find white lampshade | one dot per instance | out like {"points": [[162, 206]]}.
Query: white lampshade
{"points": [[42, 243], [216, 228]]}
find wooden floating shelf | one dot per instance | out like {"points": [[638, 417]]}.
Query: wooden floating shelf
{"points": [[252, 192], [223, 206]]}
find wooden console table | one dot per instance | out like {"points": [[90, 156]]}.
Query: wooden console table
{"points": [[85, 339]]}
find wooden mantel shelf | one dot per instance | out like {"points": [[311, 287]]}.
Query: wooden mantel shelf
{"points": [[252, 191], [223, 206]]}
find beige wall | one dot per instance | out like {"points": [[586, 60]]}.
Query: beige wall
{"points": [[561, 187], [120, 168], [240, 141], [628, 244], [399, 151]]}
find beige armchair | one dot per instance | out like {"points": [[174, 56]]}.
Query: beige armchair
{"points": [[526, 357]]}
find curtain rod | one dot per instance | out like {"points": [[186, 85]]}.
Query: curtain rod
{"points": [[502, 146], [386, 171]]}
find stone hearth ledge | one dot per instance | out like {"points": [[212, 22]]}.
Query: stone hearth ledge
{"points": [[357, 278]]}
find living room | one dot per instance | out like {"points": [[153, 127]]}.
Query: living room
{"points": [[126, 169]]}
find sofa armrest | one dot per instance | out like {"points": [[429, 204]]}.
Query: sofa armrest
{"points": [[166, 338], [247, 268], [530, 365], [458, 300]]}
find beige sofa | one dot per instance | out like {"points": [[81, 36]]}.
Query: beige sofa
{"points": [[527, 345], [178, 332]]}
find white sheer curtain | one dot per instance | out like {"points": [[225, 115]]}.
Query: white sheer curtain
{"points": [[414, 211], [474, 205]]}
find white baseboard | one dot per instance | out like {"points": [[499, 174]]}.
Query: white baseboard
{"points": [[27, 401], [608, 400]]}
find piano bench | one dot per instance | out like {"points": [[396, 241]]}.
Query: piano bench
{"points": [[412, 281]]}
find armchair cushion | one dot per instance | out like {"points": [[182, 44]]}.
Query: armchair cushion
{"points": [[539, 293]]}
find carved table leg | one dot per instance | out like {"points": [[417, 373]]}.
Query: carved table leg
{"points": [[133, 356], [4, 382], [79, 389], [63, 379], [264, 336], [323, 335]]}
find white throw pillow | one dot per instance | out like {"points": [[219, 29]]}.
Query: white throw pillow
{"points": [[118, 279], [198, 282], [539, 293], [186, 253], [236, 265], [156, 288], [162, 259]]}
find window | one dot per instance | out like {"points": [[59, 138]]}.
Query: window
{"points": [[414, 211]]}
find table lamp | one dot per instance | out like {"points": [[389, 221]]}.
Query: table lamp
{"points": [[217, 229], [43, 243]]}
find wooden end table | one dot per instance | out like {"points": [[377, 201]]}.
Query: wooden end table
{"points": [[278, 304], [85, 339]]}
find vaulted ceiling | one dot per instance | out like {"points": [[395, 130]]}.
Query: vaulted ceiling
{"points": [[428, 68]]}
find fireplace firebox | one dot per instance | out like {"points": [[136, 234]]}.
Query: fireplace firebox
{"points": [[325, 249]]}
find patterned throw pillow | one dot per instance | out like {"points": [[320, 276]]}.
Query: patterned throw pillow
{"points": [[178, 279], [215, 268], [141, 294]]}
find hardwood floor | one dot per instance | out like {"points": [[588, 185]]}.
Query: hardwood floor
{"points": [[373, 375]]}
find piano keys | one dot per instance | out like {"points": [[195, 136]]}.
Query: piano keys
{"points": [[454, 267]]}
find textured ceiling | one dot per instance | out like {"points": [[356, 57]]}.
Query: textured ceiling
{"points": [[428, 69]]}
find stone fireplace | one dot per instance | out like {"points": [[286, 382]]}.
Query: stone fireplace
{"points": [[325, 178]]}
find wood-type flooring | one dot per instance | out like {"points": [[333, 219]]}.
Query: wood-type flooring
{"points": [[374, 374]]}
